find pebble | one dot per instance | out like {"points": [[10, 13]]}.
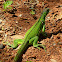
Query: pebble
{"points": [[1, 32], [1, 0], [54, 44], [53, 60], [25, 28], [20, 15], [16, 21], [0, 39], [48, 17], [5, 35], [0, 21]]}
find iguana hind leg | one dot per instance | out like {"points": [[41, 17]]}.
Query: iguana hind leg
{"points": [[15, 43], [34, 41]]}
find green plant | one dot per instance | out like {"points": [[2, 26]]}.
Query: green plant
{"points": [[32, 12], [28, 61], [6, 4]]}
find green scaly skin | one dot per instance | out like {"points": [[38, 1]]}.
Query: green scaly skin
{"points": [[31, 36]]}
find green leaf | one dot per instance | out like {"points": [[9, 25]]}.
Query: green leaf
{"points": [[7, 3], [28, 61], [32, 12]]}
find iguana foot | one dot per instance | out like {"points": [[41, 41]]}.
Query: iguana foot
{"points": [[37, 46], [15, 43], [11, 46]]}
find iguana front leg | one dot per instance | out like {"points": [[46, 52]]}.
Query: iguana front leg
{"points": [[16, 42], [34, 41], [43, 31]]}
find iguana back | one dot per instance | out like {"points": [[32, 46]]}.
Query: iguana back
{"points": [[37, 27]]}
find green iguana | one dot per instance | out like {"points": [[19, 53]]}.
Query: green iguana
{"points": [[31, 36]]}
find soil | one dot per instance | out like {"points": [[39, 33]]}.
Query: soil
{"points": [[15, 22]]}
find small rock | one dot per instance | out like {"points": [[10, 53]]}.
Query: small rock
{"points": [[1, 46], [16, 21], [25, 28], [0, 39], [11, 27], [54, 44], [1, 32], [5, 35], [53, 60], [1, 0], [17, 37], [0, 21], [48, 17], [20, 15]]}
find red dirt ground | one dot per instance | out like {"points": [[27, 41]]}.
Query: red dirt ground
{"points": [[16, 21]]}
